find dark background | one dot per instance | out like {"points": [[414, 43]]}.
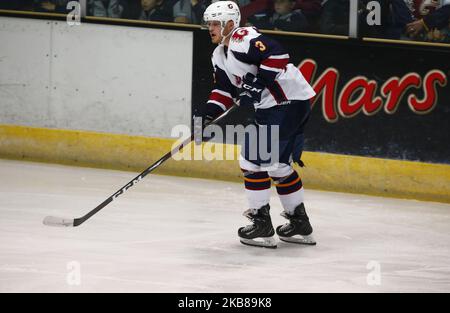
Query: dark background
{"points": [[403, 135]]}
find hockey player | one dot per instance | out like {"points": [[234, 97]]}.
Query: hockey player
{"points": [[254, 70]]}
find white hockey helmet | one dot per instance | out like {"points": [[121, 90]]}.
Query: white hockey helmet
{"points": [[223, 11]]}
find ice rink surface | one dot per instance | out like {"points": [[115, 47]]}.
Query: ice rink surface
{"points": [[172, 234]]}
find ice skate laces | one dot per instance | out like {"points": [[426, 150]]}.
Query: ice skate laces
{"points": [[287, 226], [250, 214]]}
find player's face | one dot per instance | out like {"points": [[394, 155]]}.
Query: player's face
{"points": [[215, 31]]}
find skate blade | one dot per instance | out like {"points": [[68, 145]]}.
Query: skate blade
{"points": [[268, 242], [301, 240]]}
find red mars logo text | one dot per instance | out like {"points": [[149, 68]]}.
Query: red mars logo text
{"points": [[362, 94]]}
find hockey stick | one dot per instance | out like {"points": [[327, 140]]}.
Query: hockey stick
{"points": [[66, 222]]}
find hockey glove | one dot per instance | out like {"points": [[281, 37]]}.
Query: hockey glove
{"points": [[212, 112], [250, 92]]}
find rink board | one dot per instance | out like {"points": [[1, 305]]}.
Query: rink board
{"points": [[133, 89], [383, 177]]}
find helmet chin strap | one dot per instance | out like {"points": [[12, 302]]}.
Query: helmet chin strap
{"points": [[223, 24]]}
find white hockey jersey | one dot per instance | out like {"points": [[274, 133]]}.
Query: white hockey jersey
{"points": [[251, 52]]}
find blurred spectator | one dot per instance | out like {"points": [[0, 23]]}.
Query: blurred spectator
{"points": [[106, 8], [395, 15], [51, 6], [400, 16], [283, 17], [189, 11], [335, 17], [311, 9], [132, 10], [156, 10], [421, 8], [438, 19], [240, 3], [433, 26]]}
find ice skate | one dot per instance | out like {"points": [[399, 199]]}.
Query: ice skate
{"points": [[260, 233], [298, 229]]}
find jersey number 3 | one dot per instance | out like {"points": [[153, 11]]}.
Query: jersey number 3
{"points": [[260, 46]]}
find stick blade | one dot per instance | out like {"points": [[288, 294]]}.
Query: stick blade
{"points": [[58, 221]]}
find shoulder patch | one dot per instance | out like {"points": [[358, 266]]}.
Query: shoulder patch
{"points": [[239, 35]]}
